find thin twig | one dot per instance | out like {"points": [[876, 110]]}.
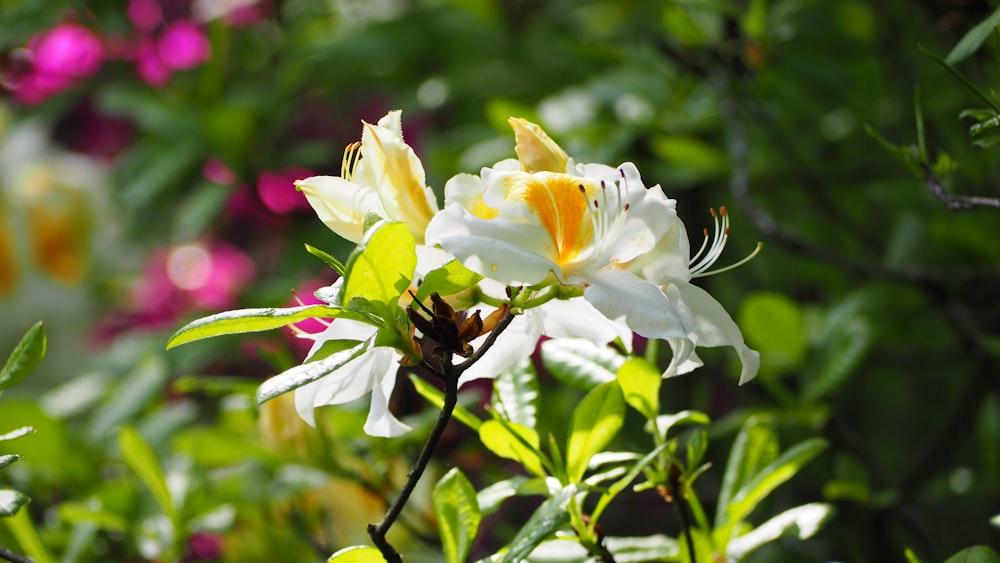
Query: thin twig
{"points": [[8, 555], [450, 374], [956, 202]]}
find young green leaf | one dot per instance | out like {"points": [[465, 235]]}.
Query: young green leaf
{"points": [[252, 320], [142, 460], [298, 376], [449, 279], [768, 479], [25, 357], [499, 437], [326, 258], [755, 446], [356, 554], [640, 382], [596, 420], [549, 518], [619, 485], [806, 520], [458, 515], [579, 363], [380, 269]]}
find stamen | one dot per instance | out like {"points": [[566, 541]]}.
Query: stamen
{"points": [[709, 253], [352, 155]]}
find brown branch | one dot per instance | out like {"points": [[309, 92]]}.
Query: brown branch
{"points": [[8, 555], [956, 202]]}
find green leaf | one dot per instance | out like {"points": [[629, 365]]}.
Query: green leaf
{"points": [[961, 78], [665, 422], [619, 485], [580, 363], [298, 376], [995, 521], [11, 501], [754, 448], [13, 434], [8, 459], [142, 385], [640, 383], [331, 347], [490, 498], [436, 397], [25, 357], [773, 325], [92, 513], [972, 40], [595, 422], [911, 557], [326, 258], [252, 320], [515, 393], [356, 554], [380, 269], [142, 460], [550, 517], [768, 479], [975, 554], [499, 437], [458, 516], [449, 279], [26, 535], [806, 520]]}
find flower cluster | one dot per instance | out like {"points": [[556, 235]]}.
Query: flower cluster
{"points": [[591, 250]]}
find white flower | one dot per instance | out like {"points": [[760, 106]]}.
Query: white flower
{"points": [[594, 227], [380, 175]]}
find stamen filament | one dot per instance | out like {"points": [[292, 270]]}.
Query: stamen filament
{"points": [[751, 256]]}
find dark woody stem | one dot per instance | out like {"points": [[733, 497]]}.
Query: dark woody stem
{"points": [[13, 557], [449, 373]]}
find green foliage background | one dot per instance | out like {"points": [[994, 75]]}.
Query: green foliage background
{"points": [[875, 307]]}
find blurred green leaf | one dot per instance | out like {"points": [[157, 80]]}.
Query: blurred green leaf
{"points": [[91, 512], [141, 385], [973, 39], [499, 437], [772, 324], [449, 279], [142, 460], [620, 485], [8, 459], [516, 393], [11, 501], [580, 363], [975, 554], [640, 384], [356, 554], [298, 376], [436, 397], [25, 357], [457, 510], [595, 422], [24, 531], [251, 320], [17, 433]]}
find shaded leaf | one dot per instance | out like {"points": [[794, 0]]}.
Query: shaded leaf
{"points": [[975, 554], [547, 519], [755, 446], [449, 279], [806, 520], [25, 356], [515, 393], [579, 363], [973, 39], [457, 510], [142, 460], [11, 501], [8, 459]]}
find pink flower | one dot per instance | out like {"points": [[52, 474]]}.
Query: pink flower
{"points": [[149, 65], [277, 190], [217, 172], [183, 45], [145, 15], [70, 50]]}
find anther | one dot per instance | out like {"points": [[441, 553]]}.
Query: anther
{"points": [[625, 207], [712, 211]]}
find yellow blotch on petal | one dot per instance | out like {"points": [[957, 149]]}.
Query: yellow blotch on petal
{"points": [[561, 209], [536, 151]]}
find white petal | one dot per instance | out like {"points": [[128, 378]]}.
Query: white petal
{"points": [[712, 325], [381, 421], [577, 318], [500, 249], [340, 204], [390, 167], [620, 294], [513, 345], [684, 358]]}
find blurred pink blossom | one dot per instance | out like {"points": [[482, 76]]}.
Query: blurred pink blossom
{"points": [[277, 190], [150, 66], [304, 295], [145, 15], [216, 171], [204, 546], [183, 45], [62, 55]]}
